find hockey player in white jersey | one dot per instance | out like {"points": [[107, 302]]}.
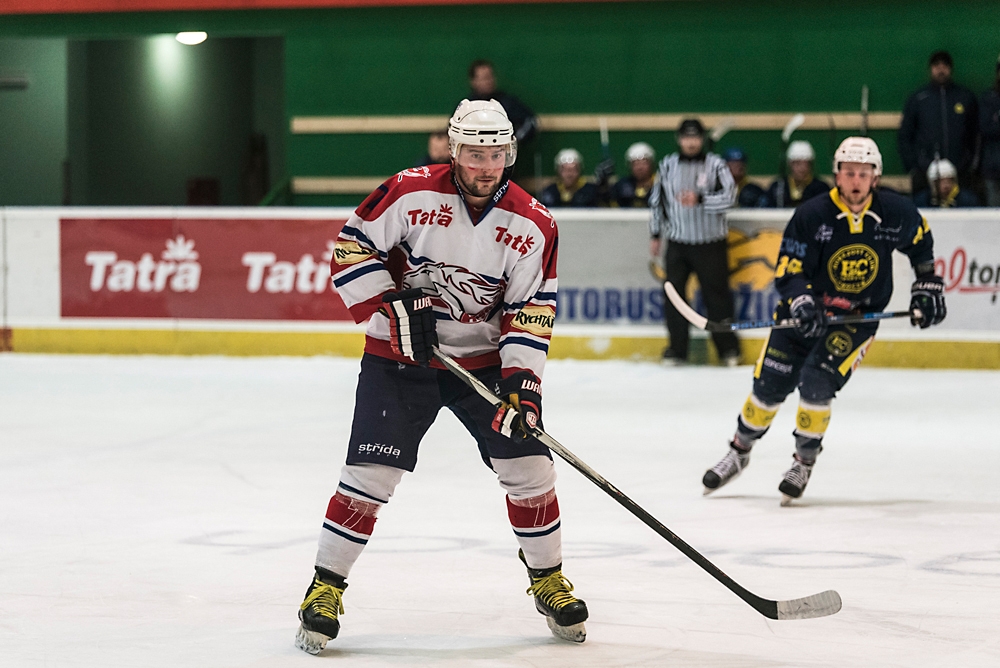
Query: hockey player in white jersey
{"points": [[456, 256]]}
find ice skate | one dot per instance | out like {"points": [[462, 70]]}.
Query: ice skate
{"points": [[795, 480], [320, 612], [726, 470], [671, 358], [564, 613]]}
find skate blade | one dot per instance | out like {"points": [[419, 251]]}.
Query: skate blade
{"points": [[786, 500], [572, 633], [310, 641], [708, 490]]}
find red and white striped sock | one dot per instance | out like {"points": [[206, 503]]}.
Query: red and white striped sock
{"points": [[536, 524], [350, 520]]}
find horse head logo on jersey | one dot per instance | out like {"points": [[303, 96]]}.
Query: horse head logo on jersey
{"points": [[419, 172], [470, 297], [540, 208]]}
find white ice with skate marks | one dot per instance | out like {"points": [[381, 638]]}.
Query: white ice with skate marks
{"points": [[164, 512]]}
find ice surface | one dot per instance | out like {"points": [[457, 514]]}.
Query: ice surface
{"points": [[159, 511]]}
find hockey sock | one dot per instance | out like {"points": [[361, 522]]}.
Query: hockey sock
{"points": [[535, 522], [350, 519], [753, 422], [811, 422]]}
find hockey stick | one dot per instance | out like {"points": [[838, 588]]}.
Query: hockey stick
{"points": [[605, 140], [721, 129], [864, 110], [817, 605], [701, 322]]}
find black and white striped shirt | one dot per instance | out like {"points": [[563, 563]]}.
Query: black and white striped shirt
{"points": [[709, 176]]}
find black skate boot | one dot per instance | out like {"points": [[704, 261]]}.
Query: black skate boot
{"points": [[320, 611], [731, 466], [795, 480], [564, 613]]}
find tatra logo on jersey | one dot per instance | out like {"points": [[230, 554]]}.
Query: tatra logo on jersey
{"points": [[853, 268], [522, 244], [443, 216], [470, 297], [537, 320], [350, 252]]}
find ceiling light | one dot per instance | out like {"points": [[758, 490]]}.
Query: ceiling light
{"points": [[191, 38]]}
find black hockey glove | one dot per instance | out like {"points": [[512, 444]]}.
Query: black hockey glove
{"points": [[927, 298], [521, 412], [604, 171], [412, 326], [812, 319]]}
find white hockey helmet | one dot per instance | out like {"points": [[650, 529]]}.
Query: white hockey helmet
{"points": [[640, 151], [941, 169], [800, 150], [862, 150], [481, 123], [568, 156]]}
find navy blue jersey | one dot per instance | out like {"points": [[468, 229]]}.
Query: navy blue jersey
{"points": [[626, 193], [846, 260], [750, 195], [957, 198], [583, 194], [781, 194]]}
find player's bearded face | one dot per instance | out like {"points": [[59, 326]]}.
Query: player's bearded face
{"points": [[480, 168], [855, 181]]}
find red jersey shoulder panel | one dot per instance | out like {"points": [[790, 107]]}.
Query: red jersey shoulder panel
{"points": [[522, 203], [434, 178]]}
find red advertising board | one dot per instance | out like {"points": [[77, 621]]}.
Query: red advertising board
{"points": [[188, 268]]}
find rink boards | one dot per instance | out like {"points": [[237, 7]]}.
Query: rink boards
{"points": [[255, 281]]}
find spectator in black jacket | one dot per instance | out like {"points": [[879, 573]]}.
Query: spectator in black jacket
{"points": [[483, 85], [939, 121], [989, 128]]}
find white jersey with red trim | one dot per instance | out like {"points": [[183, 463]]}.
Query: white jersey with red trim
{"points": [[492, 281]]}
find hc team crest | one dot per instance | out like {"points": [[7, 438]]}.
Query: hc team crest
{"points": [[853, 268]]}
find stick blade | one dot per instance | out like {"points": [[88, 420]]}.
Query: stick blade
{"points": [[793, 125], [682, 307], [818, 605]]}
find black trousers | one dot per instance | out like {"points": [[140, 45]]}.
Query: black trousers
{"points": [[710, 263]]}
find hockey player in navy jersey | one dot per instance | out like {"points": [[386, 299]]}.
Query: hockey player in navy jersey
{"points": [[835, 258], [459, 257]]}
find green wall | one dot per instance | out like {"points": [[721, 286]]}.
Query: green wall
{"points": [[33, 122], [674, 56]]}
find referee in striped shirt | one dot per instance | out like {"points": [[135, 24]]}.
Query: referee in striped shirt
{"points": [[692, 192]]}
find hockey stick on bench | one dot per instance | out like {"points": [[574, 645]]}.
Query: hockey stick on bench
{"points": [[817, 605], [701, 322]]}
